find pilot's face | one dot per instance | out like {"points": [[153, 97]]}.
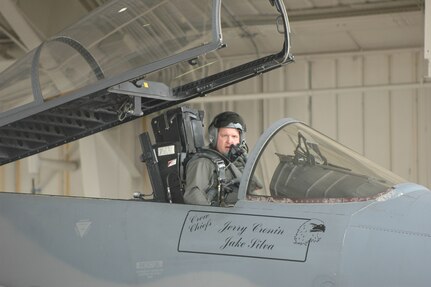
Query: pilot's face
{"points": [[225, 138]]}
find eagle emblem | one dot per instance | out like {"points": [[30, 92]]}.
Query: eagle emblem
{"points": [[310, 231]]}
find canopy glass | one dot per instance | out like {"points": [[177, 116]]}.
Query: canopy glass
{"points": [[130, 58]]}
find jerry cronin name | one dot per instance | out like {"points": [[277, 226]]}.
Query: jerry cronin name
{"points": [[255, 228]]}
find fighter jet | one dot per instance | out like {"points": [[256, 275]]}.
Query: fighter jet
{"points": [[325, 216]]}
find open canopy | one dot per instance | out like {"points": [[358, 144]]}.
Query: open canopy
{"points": [[127, 59]]}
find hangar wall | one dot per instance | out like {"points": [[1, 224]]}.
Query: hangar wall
{"points": [[375, 102]]}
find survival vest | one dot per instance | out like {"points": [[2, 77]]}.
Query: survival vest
{"points": [[224, 184]]}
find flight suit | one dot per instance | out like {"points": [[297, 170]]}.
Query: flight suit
{"points": [[201, 185]]}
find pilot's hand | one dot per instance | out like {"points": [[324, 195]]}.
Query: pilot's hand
{"points": [[239, 150], [238, 155]]}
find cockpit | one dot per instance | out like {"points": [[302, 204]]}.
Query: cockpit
{"points": [[297, 164], [290, 163]]}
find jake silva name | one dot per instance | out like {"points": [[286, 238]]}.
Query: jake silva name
{"points": [[239, 242]]}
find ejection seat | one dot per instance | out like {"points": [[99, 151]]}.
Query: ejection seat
{"points": [[178, 133]]}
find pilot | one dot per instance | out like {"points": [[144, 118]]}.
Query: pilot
{"points": [[212, 176]]}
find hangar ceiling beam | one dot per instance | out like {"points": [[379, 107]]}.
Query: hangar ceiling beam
{"points": [[350, 10], [339, 11]]}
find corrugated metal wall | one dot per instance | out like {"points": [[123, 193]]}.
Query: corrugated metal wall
{"points": [[376, 103]]}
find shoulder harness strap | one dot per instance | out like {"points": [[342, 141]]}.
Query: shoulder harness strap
{"points": [[218, 159]]}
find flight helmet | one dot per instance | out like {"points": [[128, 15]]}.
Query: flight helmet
{"points": [[226, 120]]}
